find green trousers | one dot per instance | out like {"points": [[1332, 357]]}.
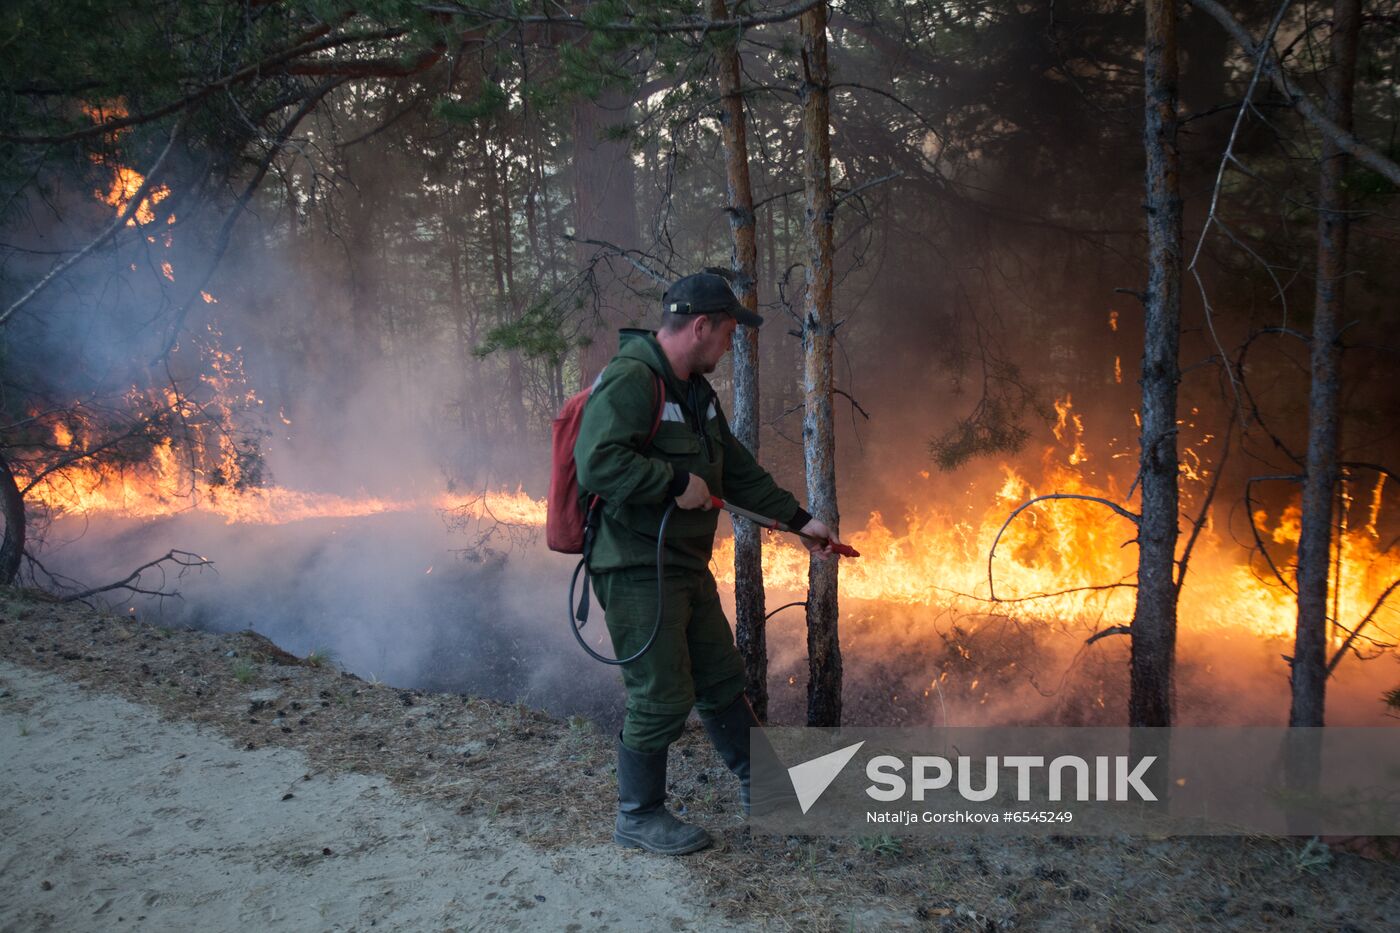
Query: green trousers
{"points": [[693, 663]]}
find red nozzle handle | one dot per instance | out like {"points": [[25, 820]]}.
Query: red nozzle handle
{"points": [[845, 550], [717, 502]]}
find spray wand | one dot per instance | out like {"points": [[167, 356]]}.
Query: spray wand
{"points": [[772, 524]]}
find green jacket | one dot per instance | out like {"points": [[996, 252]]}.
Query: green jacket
{"points": [[636, 482]]}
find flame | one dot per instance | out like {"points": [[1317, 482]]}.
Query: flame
{"points": [[125, 183], [103, 110], [164, 487], [207, 463], [938, 560], [511, 508], [210, 471], [937, 557], [931, 557], [1065, 419], [1374, 512]]}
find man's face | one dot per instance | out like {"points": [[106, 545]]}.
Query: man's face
{"points": [[714, 340]]}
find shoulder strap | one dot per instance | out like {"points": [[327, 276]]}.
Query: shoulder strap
{"points": [[590, 524], [660, 408]]}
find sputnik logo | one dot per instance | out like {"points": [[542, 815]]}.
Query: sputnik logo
{"points": [[811, 778]]}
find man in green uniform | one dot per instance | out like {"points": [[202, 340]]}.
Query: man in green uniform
{"points": [[693, 662]]}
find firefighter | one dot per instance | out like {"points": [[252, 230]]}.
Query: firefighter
{"points": [[693, 456]]}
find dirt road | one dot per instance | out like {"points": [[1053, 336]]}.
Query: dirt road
{"points": [[116, 819]]}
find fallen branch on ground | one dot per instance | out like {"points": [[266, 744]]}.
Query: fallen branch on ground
{"points": [[131, 582]]}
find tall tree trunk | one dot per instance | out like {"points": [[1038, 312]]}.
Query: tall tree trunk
{"points": [[471, 403], [1320, 483], [498, 220], [551, 237], [12, 510], [365, 276], [459, 319], [1154, 617], [605, 208], [749, 608], [818, 332]]}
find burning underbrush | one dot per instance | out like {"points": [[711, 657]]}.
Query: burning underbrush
{"points": [[964, 611], [898, 670], [385, 596]]}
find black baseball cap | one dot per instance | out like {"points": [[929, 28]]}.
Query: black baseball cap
{"points": [[705, 293]]}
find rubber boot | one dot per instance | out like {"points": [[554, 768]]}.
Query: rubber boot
{"points": [[729, 731], [643, 822]]}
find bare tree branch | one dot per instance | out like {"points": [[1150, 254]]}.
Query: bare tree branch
{"points": [[1227, 157], [874, 182], [1380, 601], [630, 255], [1255, 416], [1375, 467], [1254, 528], [1201, 516], [271, 64], [1036, 597], [127, 213], [991, 555], [371, 67], [1111, 630], [854, 404], [694, 24], [226, 230], [1304, 104]]}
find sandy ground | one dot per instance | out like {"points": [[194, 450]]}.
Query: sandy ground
{"points": [[143, 772], [114, 818]]}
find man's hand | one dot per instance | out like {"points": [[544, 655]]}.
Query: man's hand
{"points": [[818, 530], [696, 495]]}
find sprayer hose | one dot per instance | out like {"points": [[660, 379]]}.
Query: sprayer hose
{"points": [[660, 595]]}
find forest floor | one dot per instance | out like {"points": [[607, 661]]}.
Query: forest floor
{"points": [[171, 779]]}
